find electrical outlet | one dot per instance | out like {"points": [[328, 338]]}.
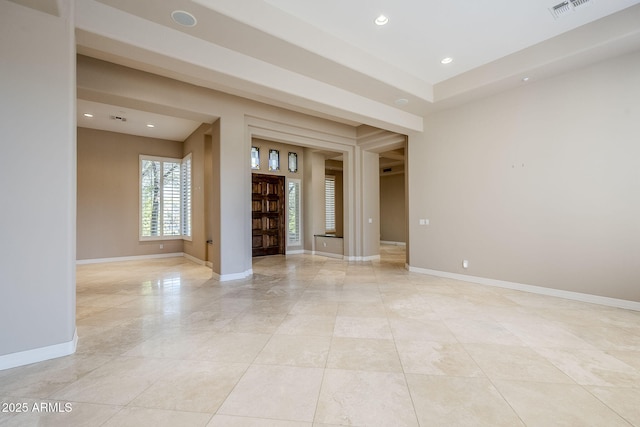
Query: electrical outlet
{"points": [[161, 246]]}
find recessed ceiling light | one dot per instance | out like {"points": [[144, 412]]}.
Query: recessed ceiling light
{"points": [[184, 18], [525, 79], [381, 20], [88, 115], [402, 101], [447, 60], [150, 125]]}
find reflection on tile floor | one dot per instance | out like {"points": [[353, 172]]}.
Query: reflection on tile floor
{"points": [[313, 341]]}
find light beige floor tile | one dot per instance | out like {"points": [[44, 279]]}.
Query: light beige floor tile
{"points": [[359, 309], [53, 413], [365, 399], [545, 404], [315, 308], [312, 325], [451, 401], [192, 386], [302, 316], [295, 350], [114, 341], [232, 347], [609, 337], [172, 345], [623, 400], [428, 330], [515, 363], [42, 379], [593, 367], [279, 392], [363, 354], [434, 358], [143, 417], [362, 327], [631, 358], [231, 421], [546, 334], [258, 323], [480, 330], [117, 382]]}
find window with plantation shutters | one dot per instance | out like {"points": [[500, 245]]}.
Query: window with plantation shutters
{"points": [[330, 203], [186, 196], [165, 198], [294, 235]]}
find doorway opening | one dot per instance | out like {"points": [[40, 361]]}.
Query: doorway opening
{"points": [[267, 215]]}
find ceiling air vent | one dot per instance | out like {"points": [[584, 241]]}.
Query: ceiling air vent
{"points": [[566, 7], [560, 9], [578, 3], [119, 118]]}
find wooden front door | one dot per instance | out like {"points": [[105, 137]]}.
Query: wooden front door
{"points": [[267, 216]]}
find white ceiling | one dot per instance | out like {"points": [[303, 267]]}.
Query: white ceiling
{"points": [[328, 58], [420, 33], [120, 119]]}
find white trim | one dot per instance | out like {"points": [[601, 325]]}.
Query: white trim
{"points": [[234, 276], [384, 242], [576, 296], [41, 354], [128, 258], [295, 252], [361, 258], [328, 254], [193, 259]]}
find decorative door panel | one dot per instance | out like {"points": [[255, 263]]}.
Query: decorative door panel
{"points": [[268, 215]]}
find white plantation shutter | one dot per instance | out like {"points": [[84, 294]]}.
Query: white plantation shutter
{"points": [[186, 196], [171, 205], [294, 238], [330, 203], [165, 197], [150, 198]]}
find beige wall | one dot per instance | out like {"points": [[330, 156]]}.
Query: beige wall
{"points": [[38, 162], [195, 145], [393, 220], [107, 192], [313, 198], [370, 199], [214, 202], [538, 185]]}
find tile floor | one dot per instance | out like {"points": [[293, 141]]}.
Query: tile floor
{"points": [[313, 341]]}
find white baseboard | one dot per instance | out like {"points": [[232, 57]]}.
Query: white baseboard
{"points": [[129, 258], [384, 242], [194, 259], [576, 296], [328, 254], [362, 258], [233, 276], [295, 252], [41, 354]]}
